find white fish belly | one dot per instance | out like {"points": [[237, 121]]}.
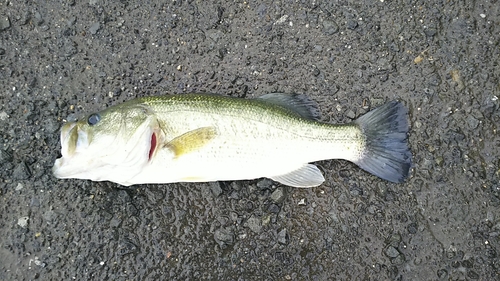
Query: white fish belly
{"points": [[249, 150]]}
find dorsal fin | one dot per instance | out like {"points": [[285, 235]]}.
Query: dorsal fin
{"points": [[298, 103]]}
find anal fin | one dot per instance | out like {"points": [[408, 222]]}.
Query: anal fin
{"points": [[306, 176]]}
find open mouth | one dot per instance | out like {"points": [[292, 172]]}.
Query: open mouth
{"points": [[69, 139]]}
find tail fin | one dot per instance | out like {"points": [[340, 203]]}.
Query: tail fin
{"points": [[386, 154]]}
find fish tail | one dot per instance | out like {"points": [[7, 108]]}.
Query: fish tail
{"points": [[386, 153]]}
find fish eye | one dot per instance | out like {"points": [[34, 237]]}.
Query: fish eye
{"points": [[93, 119]]}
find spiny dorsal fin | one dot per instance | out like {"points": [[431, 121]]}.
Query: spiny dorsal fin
{"points": [[191, 141], [298, 103]]}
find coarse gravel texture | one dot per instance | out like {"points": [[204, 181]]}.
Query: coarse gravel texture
{"points": [[60, 59]]}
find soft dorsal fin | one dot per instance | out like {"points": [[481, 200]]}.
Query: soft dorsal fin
{"points": [[298, 103], [191, 141]]}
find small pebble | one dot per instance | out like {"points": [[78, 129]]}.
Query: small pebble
{"points": [[442, 273], [4, 116], [352, 24], [94, 28], [254, 224], [350, 114], [278, 195], [23, 222], [391, 252], [264, 183], [5, 156], [215, 188], [283, 236], [472, 122], [330, 27], [4, 22], [224, 236], [21, 172]]}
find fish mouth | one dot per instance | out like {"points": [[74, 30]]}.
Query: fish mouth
{"points": [[57, 168], [72, 139], [69, 139]]}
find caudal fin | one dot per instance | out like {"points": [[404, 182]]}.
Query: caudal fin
{"points": [[386, 153]]}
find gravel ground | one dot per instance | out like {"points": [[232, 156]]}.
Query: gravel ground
{"points": [[440, 58]]}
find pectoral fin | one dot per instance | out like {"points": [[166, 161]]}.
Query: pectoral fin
{"points": [[191, 141], [305, 176]]}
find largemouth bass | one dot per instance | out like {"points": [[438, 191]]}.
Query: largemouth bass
{"points": [[201, 138]]}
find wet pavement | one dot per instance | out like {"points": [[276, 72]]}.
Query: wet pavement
{"points": [[61, 59]]}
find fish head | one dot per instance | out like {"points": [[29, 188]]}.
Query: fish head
{"points": [[114, 144]]}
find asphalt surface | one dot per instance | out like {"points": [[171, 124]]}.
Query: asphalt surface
{"points": [[60, 59]]}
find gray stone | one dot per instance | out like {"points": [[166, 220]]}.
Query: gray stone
{"points": [[302, 202], [49, 216], [94, 28], [224, 236], [35, 202], [215, 188], [394, 240], [391, 252], [264, 183], [400, 259], [472, 122], [316, 71], [235, 185], [115, 222], [254, 224], [330, 27], [23, 222], [350, 114], [430, 32], [278, 195], [51, 126], [4, 23], [3, 115], [21, 172], [352, 24], [5, 156], [442, 273], [283, 236]]}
